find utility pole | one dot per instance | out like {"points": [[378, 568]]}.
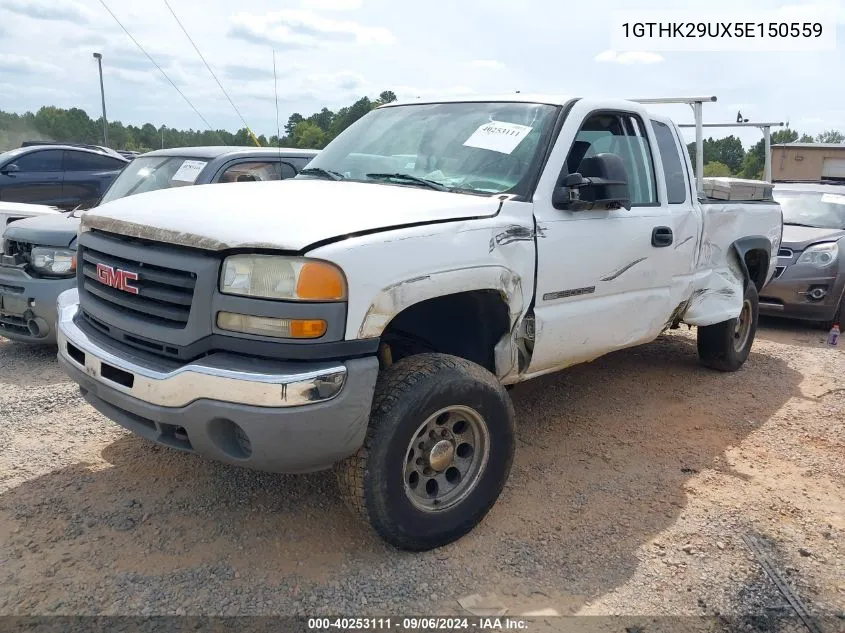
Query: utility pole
{"points": [[99, 58], [162, 136]]}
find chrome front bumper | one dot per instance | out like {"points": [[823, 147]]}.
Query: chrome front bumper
{"points": [[222, 376]]}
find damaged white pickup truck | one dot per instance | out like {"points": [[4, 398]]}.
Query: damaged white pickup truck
{"points": [[369, 313]]}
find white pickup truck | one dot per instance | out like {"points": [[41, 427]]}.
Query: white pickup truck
{"points": [[368, 314]]}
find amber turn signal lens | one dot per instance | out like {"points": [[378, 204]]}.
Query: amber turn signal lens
{"points": [[307, 328], [320, 282], [269, 326]]}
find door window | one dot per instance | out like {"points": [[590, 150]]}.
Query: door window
{"points": [[88, 161], [624, 135], [44, 160]]}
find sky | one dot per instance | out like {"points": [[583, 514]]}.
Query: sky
{"points": [[330, 52]]}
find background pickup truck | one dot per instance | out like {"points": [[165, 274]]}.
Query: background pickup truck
{"points": [[369, 313]]}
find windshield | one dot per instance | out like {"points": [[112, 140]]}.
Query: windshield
{"points": [[152, 173], [812, 208], [480, 148]]}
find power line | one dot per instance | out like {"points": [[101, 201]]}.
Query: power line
{"points": [[196, 48], [141, 48], [276, 93]]}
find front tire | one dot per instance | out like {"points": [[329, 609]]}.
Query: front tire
{"points": [[725, 346], [437, 454]]}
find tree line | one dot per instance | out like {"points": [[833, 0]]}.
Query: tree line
{"points": [[722, 157], [727, 157], [50, 123]]}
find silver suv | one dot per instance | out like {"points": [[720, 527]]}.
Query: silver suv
{"points": [[810, 277]]}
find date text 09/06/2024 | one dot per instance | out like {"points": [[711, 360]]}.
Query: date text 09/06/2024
{"points": [[418, 624]]}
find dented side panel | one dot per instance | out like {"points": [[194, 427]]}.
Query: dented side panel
{"points": [[719, 283], [395, 270]]}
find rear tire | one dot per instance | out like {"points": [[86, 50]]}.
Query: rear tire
{"points": [[437, 454], [725, 346]]}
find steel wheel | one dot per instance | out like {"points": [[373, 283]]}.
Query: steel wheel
{"points": [[743, 326], [446, 458]]}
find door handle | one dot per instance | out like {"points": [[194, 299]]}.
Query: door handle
{"points": [[661, 236]]}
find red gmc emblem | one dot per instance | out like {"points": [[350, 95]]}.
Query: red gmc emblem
{"points": [[116, 278]]}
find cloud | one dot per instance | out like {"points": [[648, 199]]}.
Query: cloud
{"points": [[343, 81], [137, 77], [490, 64], [411, 92], [240, 72], [67, 10], [293, 29], [631, 57], [39, 92], [21, 65], [331, 5]]}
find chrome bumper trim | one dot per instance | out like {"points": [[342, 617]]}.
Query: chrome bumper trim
{"points": [[224, 377]]}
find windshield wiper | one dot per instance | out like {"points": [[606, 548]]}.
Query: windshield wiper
{"points": [[809, 226], [325, 173], [411, 179]]}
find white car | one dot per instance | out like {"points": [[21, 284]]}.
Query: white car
{"points": [[369, 313]]}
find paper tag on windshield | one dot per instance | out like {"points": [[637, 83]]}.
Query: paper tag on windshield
{"points": [[189, 170], [832, 198], [498, 136]]}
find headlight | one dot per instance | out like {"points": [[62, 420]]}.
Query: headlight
{"points": [[820, 255], [277, 277], [53, 261]]}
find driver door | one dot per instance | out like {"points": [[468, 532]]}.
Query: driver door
{"points": [[602, 283]]}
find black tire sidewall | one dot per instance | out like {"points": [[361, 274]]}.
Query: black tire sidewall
{"points": [[750, 295], [388, 505]]}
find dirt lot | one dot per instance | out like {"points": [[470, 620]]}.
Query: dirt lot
{"points": [[636, 478]]}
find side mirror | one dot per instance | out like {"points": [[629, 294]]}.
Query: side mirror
{"points": [[11, 168], [600, 183]]}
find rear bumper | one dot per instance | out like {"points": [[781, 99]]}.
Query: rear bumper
{"points": [[29, 303], [266, 415]]}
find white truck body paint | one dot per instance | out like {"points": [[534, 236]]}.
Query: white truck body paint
{"points": [[600, 283], [397, 269]]}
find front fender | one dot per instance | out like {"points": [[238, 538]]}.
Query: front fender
{"points": [[395, 298]]}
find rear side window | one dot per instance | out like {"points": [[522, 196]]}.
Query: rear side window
{"points": [[676, 186], [44, 160], [85, 161]]}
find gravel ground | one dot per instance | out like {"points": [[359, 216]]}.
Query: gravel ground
{"points": [[636, 478]]}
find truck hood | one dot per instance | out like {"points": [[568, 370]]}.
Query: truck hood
{"points": [[12, 211], [45, 230], [800, 237], [23, 209], [285, 215]]}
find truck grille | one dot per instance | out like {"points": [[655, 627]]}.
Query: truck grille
{"points": [[149, 295], [164, 295]]}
